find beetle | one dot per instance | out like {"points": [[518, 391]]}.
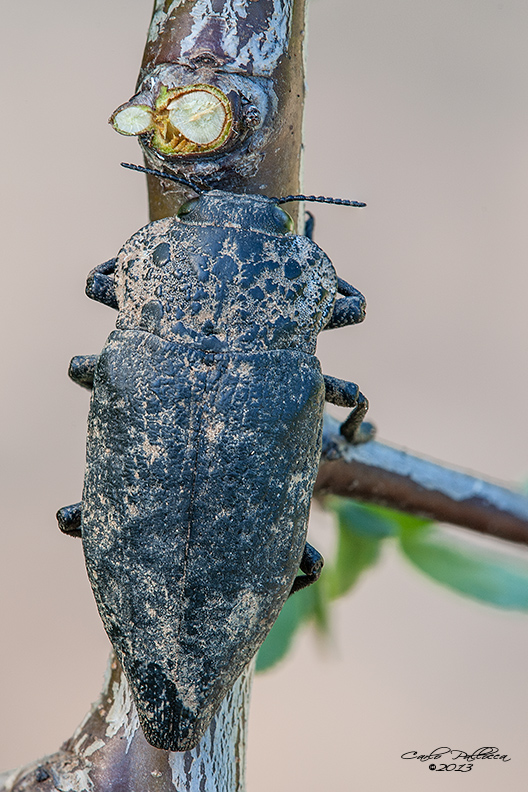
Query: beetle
{"points": [[203, 442]]}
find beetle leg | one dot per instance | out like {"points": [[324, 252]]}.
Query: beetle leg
{"points": [[100, 284], [82, 369], [311, 564], [69, 519], [348, 310], [347, 394], [340, 392], [309, 225]]}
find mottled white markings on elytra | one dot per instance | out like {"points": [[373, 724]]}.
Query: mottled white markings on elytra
{"points": [[95, 746], [153, 452], [263, 48], [244, 615]]}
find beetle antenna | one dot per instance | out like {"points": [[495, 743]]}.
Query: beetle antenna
{"points": [[317, 199], [162, 175]]}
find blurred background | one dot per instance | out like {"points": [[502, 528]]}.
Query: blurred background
{"points": [[417, 107]]}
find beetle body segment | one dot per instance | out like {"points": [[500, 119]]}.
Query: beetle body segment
{"points": [[226, 276], [203, 444]]}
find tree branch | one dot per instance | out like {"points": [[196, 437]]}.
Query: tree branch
{"points": [[252, 53], [108, 751], [235, 78], [377, 473]]}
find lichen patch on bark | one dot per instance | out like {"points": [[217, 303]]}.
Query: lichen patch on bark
{"points": [[249, 50], [162, 11]]}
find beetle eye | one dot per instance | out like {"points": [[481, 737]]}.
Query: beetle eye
{"points": [[187, 207], [283, 220]]}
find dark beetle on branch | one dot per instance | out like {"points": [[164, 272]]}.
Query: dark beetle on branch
{"points": [[204, 437]]}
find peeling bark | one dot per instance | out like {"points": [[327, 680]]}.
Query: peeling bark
{"points": [[108, 752]]}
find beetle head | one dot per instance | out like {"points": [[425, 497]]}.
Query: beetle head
{"points": [[253, 212]]}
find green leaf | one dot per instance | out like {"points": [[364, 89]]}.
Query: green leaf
{"points": [[297, 609], [403, 521], [371, 521], [360, 530], [492, 578], [354, 554]]}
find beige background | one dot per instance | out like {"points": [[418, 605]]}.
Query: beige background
{"points": [[417, 107]]}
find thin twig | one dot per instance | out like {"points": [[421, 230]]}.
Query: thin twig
{"points": [[378, 473]]}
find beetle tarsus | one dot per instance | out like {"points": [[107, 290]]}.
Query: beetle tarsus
{"points": [[69, 519], [82, 370], [354, 429], [311, 564], [100, 284], [365, 432]]}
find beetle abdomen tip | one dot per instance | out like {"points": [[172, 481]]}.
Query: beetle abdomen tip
{"points": [[166, 722]]}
